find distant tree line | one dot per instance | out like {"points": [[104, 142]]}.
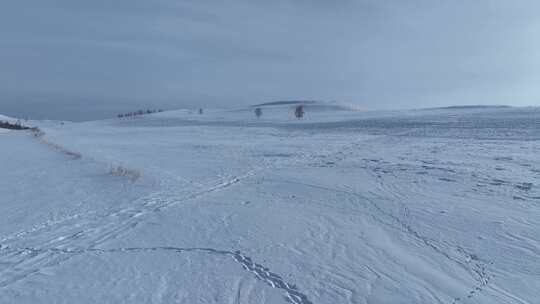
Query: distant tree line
{"points": [[298, 112], [13, 126], [137, 113]]}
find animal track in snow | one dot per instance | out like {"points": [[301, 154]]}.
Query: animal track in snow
{"points": [[262, 273]]}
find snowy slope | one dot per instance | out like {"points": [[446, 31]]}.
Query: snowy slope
{"points": [[426, 206]]}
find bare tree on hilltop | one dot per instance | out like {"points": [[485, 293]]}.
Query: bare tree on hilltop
{"points": [[299, 111], [258, 112], [137, 113]]}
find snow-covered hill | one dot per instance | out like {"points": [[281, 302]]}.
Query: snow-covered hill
{"points": [[343, 206], [5, 118]]}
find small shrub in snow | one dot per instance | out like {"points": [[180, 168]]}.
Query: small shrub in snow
{"points": [[131, 174]]}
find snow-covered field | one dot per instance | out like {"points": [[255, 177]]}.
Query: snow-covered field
{"points": [[424, 206]]}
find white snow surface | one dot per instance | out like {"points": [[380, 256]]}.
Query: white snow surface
{"points": [[343, 206]]}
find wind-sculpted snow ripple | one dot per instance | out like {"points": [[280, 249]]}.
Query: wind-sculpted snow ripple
{"points": [[55, 242], [477, 267], [472, 263], [88, 232], [262, 273]]}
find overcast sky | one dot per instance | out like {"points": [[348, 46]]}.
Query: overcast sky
{"points": [[74, 59]]}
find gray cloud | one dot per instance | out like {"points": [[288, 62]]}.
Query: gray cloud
{"points": [[91, 59]]}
